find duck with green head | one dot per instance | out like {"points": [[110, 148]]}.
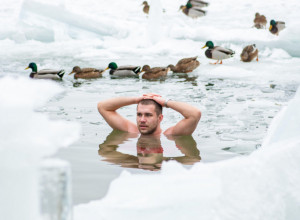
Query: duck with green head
{"points": [[86, 73], [217, 53], [45, 73], [185, 65], [193, 12], [276, 26], [123, 71]]}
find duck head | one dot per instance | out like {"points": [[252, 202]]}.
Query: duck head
{"points": [[146, 68], [112, 66], [32, 66], [209, 44], [188, 5], [272, 23], [76, 69]]}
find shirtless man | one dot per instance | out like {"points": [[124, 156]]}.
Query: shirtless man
{"points": [[149, 115]]}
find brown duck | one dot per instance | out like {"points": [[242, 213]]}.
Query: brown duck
{"points": [[249, 53], [155, 72], [185, 65], [86, 73], [260, 21], [146, 7]]}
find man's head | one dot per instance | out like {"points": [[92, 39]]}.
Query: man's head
{"points": [[149, 115]]}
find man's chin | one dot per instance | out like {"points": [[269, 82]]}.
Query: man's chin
{"points": [[146, 132]]}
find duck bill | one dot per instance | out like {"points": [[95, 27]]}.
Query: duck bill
{"points": [[105, 69], [182, 8], [270, 28], [203, 47], [27, 68], [71, 73]]}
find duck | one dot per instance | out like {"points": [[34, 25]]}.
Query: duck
{"points": [[123, 71], [185, 65], [45, 73], [260, 21], [146, 7], [249, 53], [155, 72], [86, 73], [198, 3], [193, 12], [217, 53], [276, 26]]}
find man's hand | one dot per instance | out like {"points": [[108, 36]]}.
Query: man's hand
{"points": [[155, 97]]}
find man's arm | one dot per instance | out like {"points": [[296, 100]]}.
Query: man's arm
{"points": [[107, 109], [190, 113]]}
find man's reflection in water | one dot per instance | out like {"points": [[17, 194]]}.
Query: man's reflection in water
{"points": [[149, 150]]}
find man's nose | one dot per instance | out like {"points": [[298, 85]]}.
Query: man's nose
{"points": [[143, 118]]}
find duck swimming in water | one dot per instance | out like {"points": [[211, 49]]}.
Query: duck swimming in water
{"points": [[155, 72], [249, 53], [276, 26], [217, 53], [45, 73], [185, 65], [123, 71], [86, 73]]}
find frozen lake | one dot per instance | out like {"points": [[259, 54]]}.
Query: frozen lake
{"points": [[238, 100]]}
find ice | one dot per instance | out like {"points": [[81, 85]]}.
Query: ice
{"points": [[263, 185], [26, 137]]}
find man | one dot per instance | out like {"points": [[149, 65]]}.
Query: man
{"points": [[149, 115]]}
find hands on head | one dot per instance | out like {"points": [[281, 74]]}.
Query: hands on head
{"points": [[155, 97]]}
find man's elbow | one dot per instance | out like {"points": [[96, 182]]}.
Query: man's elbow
{"points": [[197, 115], [99, 107]]}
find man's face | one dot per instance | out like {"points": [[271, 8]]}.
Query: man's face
{"points": [[146, 118]]}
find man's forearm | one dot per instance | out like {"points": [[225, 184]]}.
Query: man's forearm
{"points": [[185, 109], [115, 103]]}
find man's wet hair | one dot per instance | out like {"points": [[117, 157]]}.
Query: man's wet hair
{"points": [[158, 107]]}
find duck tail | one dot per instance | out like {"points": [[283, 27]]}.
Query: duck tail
{"points": [[137, 70], [61, 73]]}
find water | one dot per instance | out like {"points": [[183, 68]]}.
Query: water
{"points": [[238, 100]]}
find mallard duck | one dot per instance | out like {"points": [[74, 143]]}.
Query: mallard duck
{"points": [[185, 65], [260, 21], [45, 73], [123, 71], [216, 52], [146, 7], [193, 12], [276, 26], [155, 72], [86, 73], [198, 3], [249, 53]]}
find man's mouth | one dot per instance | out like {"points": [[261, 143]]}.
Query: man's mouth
{"points": [[143, 126]]}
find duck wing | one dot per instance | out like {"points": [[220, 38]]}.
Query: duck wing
{"points": [[220, 53], [199, 3], [280, 25], [87, 70], [186, 60], [196, 12]]}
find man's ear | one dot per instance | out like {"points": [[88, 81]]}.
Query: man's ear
{"points": [[160, 117]]}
